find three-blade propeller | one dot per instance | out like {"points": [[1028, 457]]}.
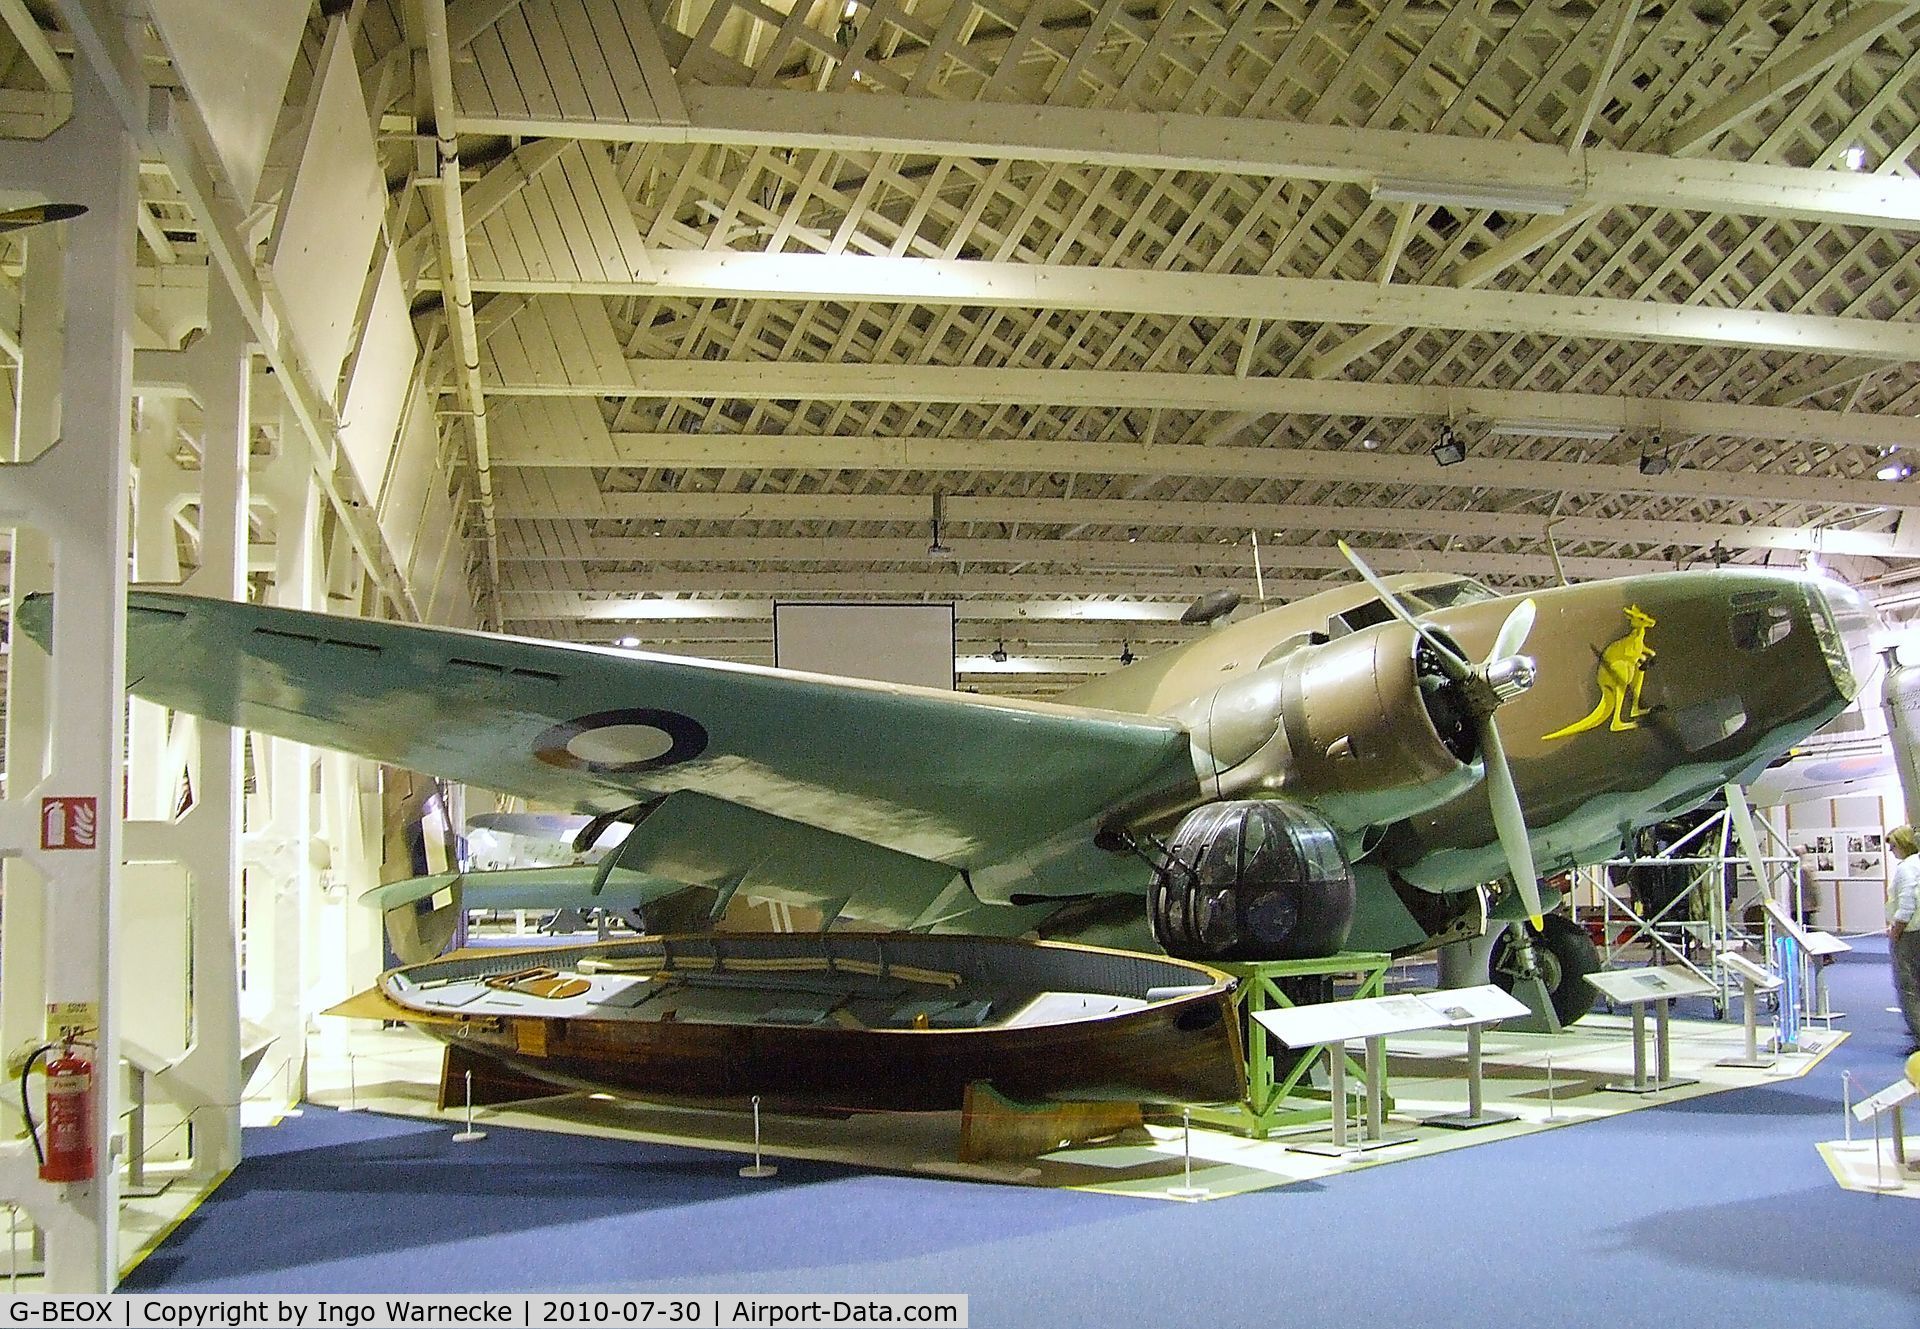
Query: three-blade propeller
{"points": [[1503, 675]]}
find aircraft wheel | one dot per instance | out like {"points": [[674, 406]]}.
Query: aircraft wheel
{"points": [[1565, 954]]}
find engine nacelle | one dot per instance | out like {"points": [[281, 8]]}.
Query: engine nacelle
{"points": [[1365, 728], [1253, 880]]}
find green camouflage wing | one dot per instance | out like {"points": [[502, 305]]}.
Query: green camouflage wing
{"points": [[946, 777]]}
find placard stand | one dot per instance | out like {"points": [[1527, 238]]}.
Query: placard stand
{"points": [[143, 1065], [1476, 1114], [1656, 986], [1890, 1103], [1753, 981], [1373, 1136], [1331, 1024], [1812, 945]]}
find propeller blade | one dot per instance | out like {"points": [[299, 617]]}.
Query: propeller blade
{"points": [[1508, 819], [1513, 633], [1456, 667]]}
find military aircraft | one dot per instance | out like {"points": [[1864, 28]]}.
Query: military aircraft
{"points": [[1324, 774]]}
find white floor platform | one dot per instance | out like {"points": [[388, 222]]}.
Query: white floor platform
{"points": [[396, 1070]]}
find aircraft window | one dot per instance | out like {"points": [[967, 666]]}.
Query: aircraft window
{"points": [[1221, 862], [1363, 616], [1757, 629], [1450, 593]]}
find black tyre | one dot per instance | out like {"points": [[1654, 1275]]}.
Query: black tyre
{"points": [[1565, 954]]}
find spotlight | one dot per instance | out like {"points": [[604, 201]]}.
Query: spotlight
{"points": [[1126, 654], [999, 655], [1894, 470], [1654, 462], [626, 643], [1449, 451], [1856, 157]]}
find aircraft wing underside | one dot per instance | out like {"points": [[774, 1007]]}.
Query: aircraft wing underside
{"points": [[900, 786]]}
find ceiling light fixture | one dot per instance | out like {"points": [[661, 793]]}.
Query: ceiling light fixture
{"points": [[1468, 194], [934, 548], [999, 655], [1553, 429], [1856, 158], [1653, 457], [626, 643], [1894, 470], [1449, 451], [1126, 654]]}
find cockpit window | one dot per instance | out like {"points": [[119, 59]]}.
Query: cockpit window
{"points": [[1442, 595], [1364, 615], [1756, 629], [1446, 594]]}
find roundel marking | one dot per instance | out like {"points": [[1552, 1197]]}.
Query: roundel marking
{"points": [[622, 742]]}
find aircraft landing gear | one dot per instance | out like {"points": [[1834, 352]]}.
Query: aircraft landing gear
{"points": [[1559, 956]]}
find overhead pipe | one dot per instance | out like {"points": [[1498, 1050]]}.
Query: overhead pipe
{"points": [[457, 280]]}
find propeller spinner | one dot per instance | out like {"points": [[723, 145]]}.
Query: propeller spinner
{"points": [[1499, 678]]}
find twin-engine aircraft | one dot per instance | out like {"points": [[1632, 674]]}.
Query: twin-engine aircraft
{"points": [[1383, 766]]}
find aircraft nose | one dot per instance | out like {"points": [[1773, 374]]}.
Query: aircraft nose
{"points": [[1846, 625]]}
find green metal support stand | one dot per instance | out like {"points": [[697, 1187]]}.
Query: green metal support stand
{"points": [[1273, 1102]]}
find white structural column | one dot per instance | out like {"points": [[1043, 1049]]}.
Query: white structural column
{"points": [[279, 856], [205, 1081], [77, 493], [22, 956]]}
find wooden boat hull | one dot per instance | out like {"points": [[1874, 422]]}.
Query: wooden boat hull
{"points": [[1180, 1046]]}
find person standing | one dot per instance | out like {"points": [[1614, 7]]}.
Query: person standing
{"points": [[1903, 933]]}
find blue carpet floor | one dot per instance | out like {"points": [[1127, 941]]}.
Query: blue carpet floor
{"points": [[1715, 1212]]}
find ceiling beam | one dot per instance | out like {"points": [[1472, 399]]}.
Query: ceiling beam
{"points": [[1057, 637], [875, 279], [871, 123], [609, 592], [1124, 559], [635, 609], [1011, 386], [1857, 28], [1282, 518], [1354, 466]]}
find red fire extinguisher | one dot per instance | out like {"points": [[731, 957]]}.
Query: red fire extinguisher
{"points": [[68, 1155]]}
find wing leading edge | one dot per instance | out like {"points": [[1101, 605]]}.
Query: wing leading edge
{"points": [[952, 778]]}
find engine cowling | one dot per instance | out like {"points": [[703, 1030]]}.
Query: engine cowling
{"points": [[1257, 879], [1365, 728]]}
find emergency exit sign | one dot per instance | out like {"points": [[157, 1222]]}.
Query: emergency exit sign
{"points": [[69, 823]]}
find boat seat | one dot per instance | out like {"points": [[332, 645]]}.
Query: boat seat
{"points": [[793, 1015], [962, 1015]]}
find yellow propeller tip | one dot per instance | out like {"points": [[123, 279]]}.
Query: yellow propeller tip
{"points": [[1538, 922]]}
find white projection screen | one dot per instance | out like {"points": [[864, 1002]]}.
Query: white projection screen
{"points": [[890, 643]]}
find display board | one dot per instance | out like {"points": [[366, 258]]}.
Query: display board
{"points": [[1843, 851], [1369, 1017], [1657, 982], [1813, 942], [1762, 979], [890, 643]]}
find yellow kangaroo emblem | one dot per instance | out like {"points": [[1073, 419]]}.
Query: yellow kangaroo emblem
{"points": [[1623, 672]]}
